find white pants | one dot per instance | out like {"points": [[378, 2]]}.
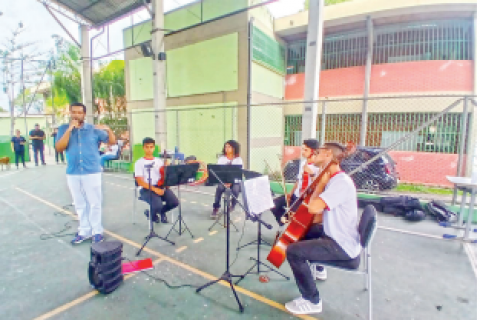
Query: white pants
{"points": [[86, 192]]}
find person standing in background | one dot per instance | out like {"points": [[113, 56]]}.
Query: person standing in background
{"points": [[18, 147], [57, 154], [37, 136]]}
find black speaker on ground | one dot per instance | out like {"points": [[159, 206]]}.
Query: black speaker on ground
{"points": [[105, 267]]}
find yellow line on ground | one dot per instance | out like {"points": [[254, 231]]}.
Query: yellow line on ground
{"points": [[212, 233], [83, 298], [198, 240], [193, 201], [205, 205], [207, 276], [181, 249]]}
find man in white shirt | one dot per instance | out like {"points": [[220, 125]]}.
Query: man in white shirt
{"points": [[158, 194], [306, 174], [334, 202], [110, 154]]}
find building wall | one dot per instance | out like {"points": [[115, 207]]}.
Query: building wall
{"points": [[389, 78]]}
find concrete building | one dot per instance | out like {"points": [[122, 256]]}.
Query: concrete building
{"points": [[419, 47]]}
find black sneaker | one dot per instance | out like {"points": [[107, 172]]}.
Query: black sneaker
{"points": [[163, 218], [155, 217]]}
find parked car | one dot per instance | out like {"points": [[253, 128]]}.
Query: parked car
{"points": [[379, 175]]}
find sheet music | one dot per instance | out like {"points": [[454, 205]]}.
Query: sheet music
{"points": [[259, 197]]}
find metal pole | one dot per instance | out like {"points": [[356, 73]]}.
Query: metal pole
{"points": [[86, 72], [159, 96], [249, 89], [324, 119], [313, 63], [366, 88]]}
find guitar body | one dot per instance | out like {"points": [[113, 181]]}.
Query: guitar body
{"points": [[299, 224]]}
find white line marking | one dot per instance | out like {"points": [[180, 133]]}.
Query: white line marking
{"points": [[198, 240], [471, 257], [212, 233], [181, 249]]}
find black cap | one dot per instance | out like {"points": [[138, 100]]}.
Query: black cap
{"points": [[312, 143]]}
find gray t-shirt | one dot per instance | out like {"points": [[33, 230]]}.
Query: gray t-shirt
{"points": [[341, 215]]}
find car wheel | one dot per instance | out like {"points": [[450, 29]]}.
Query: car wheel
{"points": [[370, 185]]}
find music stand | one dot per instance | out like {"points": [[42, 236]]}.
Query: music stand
{"points": [[176, 175], [222, 172], [152, 233], [259, 241], [226, 174]]}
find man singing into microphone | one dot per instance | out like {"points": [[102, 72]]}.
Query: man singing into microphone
{"points": [[80, 140]]}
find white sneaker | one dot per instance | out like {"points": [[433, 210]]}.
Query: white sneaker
{"points": [[318, 275], [302, 306]]}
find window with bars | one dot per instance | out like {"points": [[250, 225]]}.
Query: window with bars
{"points": [[429, 40], [383, 129]]}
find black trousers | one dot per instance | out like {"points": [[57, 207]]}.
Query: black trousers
{"points": [[37, 150], [316, 246], [158, 205], [59, 154], [221, 189], [18, 155], [280, 205]]}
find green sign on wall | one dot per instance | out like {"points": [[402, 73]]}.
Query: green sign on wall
{"points": [[268, 52]]}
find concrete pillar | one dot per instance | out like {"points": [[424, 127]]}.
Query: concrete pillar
{"points": [[159, 95], [366, 88], [313, 64], [473, 129], [86, 72]]}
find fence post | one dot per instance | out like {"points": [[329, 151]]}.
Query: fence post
{"points": [[178, 130], [463, 138], [130, 134], [461, 146], [324, 119]]}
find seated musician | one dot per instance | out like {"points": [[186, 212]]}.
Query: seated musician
{"points": [[334, 235], [305, 176], [231, 156], [158, 193]]}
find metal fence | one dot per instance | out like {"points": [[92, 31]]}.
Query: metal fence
{"points": [[413, 140]]}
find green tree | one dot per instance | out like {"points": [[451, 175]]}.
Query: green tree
{"points": [[327, 3], [67, 77]]}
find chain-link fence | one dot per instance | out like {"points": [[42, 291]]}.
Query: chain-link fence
{"points": [[411, 143]]}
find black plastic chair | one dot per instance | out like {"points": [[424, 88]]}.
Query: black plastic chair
{"points": [[366, 228]]}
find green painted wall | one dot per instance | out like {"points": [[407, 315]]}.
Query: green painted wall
{"points": [[216, 8], [202, 129], [267, 82], [140, 79], [183, 18], [204, 67], [141, 33]]}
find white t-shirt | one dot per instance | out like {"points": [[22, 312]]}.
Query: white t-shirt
{"points": [[225, 160], [141, 171], [300, 175], [112, 150], [341, 217]]}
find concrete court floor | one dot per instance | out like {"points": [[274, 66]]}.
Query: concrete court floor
{"points": [[414, 277]]}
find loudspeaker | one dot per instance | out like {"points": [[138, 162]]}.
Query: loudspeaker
{"points": [[105, 267], [147, 50]]}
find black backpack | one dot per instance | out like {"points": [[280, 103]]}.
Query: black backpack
{"points": [[441, 212], [400, 205], [415, 215]]}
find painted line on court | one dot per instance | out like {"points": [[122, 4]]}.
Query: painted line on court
{"points": [[83, 298], [198, 240], [8, 174], [180, 264], [212, 232], [181, 249], [412, 233]]}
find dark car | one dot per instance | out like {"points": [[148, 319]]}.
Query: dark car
{"points": [[379, 175]]}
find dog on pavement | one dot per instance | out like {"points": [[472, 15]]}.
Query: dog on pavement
{"points": [[5, 162]]}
